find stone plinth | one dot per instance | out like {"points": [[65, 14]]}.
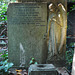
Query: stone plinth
{"points": [[42, 69]]}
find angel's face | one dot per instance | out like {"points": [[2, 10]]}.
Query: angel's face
{"points": [[51, 7]]}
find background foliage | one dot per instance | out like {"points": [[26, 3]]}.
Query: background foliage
{"points": [[4, 64]]}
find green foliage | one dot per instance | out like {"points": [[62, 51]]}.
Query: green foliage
{"points": [[67, 13], [4, 55], [69, 53], [69, 56], [33, 61], [3, 19], [4, 65], [3, 12], [71, 8], [73, 0]]}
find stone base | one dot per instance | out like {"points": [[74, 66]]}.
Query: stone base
{"points": [[42, 69]]}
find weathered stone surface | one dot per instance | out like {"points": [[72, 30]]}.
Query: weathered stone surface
{"points": [[71, 27], [71, 23], [63, 1], [26, 28], [42, 69]]}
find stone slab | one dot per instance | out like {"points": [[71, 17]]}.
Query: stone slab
{"points": [[42, 69], [71, 27], [71, 23], [26, 28], [42, 1]]}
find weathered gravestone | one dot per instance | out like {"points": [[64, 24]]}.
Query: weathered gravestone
{"points": [[71, 27], [26, 28], [42, 69], [27, 25]]}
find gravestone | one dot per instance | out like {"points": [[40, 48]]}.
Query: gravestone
{"points": [[48, 1], [71, 22], [42, 69], [26, 28], [71, 27]]}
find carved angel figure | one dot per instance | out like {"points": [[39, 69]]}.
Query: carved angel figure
{"points": [[56, 30]]}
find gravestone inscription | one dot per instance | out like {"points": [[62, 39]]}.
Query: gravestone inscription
{"points": [[26, 28]]}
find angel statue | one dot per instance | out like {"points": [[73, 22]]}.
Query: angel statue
{"points": [[56, 31]]}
